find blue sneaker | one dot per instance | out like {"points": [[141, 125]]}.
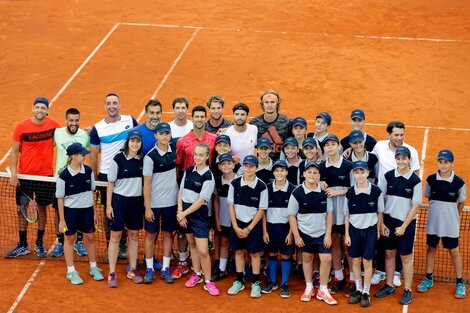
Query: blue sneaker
{"points": [[407, 297], [96, 273], [149, 276], [156, 265], [80, 248], [385, 291], [425, 285], [166, 276], [74, 278], [18, 250], [460, 291], [58, 250], [40, 249]]}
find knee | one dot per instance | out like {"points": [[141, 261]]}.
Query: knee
{"points": [[390, 254], [454, 253], [132, 236]]}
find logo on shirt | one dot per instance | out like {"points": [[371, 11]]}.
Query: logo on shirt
{"points": [[408, 190], [127, 126], [88, 181], [372, 203], [126, 170], [342, 177], [254, 199], [452, 194], [71, 186], [324, 202], [354, 204], [197, 183]]}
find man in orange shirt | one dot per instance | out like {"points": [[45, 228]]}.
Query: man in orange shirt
{"points": [[35, 138]]}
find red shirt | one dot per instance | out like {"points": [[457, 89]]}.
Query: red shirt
{"points": [[185, 147], [36, 146]]}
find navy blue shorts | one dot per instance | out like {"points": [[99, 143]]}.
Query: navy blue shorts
{"points": [[128, 213], [338, 229], [102, 191], [253, 243], [79, 219], [403, 244], [313, 244], [447, 242], [43, 190], [198, 222], [168, 220], [277, 238], [363, 242], [225, 231]]}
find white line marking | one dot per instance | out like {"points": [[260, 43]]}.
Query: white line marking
{"points": [[303, 33], [423, 153], [167, 75], [74, 75], [405, 308]]}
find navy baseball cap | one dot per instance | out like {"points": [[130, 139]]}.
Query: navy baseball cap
{"points": [[299, 121], [41, 100], [358, 113], [446, 155], [403, 151], [290, 141], [225, 157], [331, 137], [251, 159], [326, 116], [360, 164], [77, 148], [223, 138], [134, 134], [163, 127], [263, 142], [310, 164], [355, 136], [309, 142], [279, 163]]}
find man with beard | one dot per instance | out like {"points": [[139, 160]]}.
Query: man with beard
{"points": [[35, 137], [216, 123], [64, 137], [243, 136], [153, 114]]}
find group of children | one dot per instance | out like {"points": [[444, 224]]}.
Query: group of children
{"points": [[312, 198]]}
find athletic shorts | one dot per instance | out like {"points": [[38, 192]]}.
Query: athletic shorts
{"points": [[44, 191], [168, 220], [338, 229], [253, 243], [198, 222], [363, 242], [403, 244], [128, 213], [225, 231], [313, 244], [277, 239], [79, 219], [447, 242]]}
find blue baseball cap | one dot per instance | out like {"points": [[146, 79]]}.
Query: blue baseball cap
{"points": [[446, 155], [290, 141], [403, 151], [358, 113], [331, 137], [77, 148], [360, 164], [41, 100], [223, 138], [263, 142], [310, 164], [309, 142], [134, 134], [355, 136], [279, 163], [299, 121], [251, 159], [326, 116], [225, 157], [163, 127]]}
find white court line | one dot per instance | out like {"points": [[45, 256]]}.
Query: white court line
{"points": [[302, 33], [74, 75], [167, 75], [423, 153], [405, 308]]}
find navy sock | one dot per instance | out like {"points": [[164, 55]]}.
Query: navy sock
{"points": [[241, 277], [40, 234], [429, 276], [459, 281], [60, 238], [272, 268], [285, 270], [23, 237], [79, 236]]}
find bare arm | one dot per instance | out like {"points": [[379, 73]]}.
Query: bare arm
{"points": [[95, 150], [15, 150]]}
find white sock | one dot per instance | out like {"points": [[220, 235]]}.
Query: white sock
{"points": [[339, 274], [166, 262], [198, 274], [183, 257], [351, 276], [149, 263], [207, 281], [223, 265], [366, 288], [70, 269], [359, 285], [309, 285], [323, 288], [92, 264]]}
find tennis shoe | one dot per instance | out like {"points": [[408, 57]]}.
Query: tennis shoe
{"points": [[377, 277], [316, 280], [193, 280], [156, 265], [460, 291], [95, 272], [338, 285], [58, 250], [112, 280], [326, 296], [166, 276], [307, 295], [236, 287], [284, 292], [79, 247], [211, 288], [425, 285], [74, 278], [365, 300], [149, 276], [350, 289], [385, 291], [18, 250], [122, 254], [269, 288], [355, 297], [396, 279], [407, 297], [40, 249], [255, 290], [219, 275], [134, 275], [180, 270]]}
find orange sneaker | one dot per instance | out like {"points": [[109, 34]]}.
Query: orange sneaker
{"points": [[325, 296], [179, 271], [307, 295]]}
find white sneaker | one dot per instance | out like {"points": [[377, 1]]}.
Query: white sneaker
{"points": [[396, 279], [377, 277]]}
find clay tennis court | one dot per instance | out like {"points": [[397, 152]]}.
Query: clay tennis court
{"points": [[405, 60]]}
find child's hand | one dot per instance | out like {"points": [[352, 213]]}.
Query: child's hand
{"points": [[149, 215], [266, 237], [289, 239], [62, 227], [110, 212], [218, 225], [332, 192], [399, 231], [327, 241], [347, 240], [299, 242], [240, 233]]}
